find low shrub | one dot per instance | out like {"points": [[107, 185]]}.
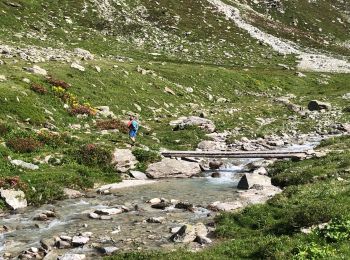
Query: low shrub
{"points": [[38, 89], [335, 231], [58, 83], [112, 124], [24, 144], [144, 156], [12, 183], [82, 110], [93, 155], [314, 251], [50, 138]]}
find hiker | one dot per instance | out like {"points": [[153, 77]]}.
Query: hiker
{"points": [[133, 128]]}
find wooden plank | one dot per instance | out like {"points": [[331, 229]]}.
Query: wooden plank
{"points": [[245, 154]]}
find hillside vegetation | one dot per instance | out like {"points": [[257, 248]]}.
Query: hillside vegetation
{"points": [[162, 59]]}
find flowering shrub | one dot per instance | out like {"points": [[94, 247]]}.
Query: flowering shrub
{"points": [[58, 83], [93, 155], [24, 144], [12, 183], [38, 89], [112, 124], [85, 109], [50, 138]]}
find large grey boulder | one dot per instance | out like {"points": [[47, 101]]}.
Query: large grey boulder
{"points": [[37, 70], [14, 198], [315, 105], [138, 175], [168, 168], [83, 54], [248, 180], [202, 123], [211, 146], [25, 165], [124, 160]]}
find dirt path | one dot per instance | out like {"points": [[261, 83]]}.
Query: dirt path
{"points": [[308, 60]]}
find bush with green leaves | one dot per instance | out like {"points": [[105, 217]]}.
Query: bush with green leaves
{"points": [[146, 156], [93, 155], [336, 230], [314, 251]]}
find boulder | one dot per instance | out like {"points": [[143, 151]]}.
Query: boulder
{"points": [[124, 160], [107, 250], [69, 256], [2, 78], [214, 165], [183, 122], [84, 54], [211, 146], [80, 240], [138, 175], [114, 187], [216, 175], [257, 196], [25, 165], [37, 70], [104, 111], [173, 168], [188, 233], [249, 179], [315, 105], [72, 194], [14, 198], [157, 220], [225, 206], [346, 96], [77, 66], [110, 211]]}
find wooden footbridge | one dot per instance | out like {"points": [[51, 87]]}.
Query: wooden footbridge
{"points": [[237, 154]]}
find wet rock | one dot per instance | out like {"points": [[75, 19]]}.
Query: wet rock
{"points": [[41, 217], [158, 220], [155, 201], [107, 250], [62, 244], [69, 256], [249, 179], [25, 165], [114, 187], [214, 165], [47, 243], [110, 211], [124, 160], [184, 205], [72, 194], [173, 168], [315, 105], [203, 123], [161, 205], [215, 175], [80, 240], [138, 175], [94, 215], [14, 198], [225, 206]]}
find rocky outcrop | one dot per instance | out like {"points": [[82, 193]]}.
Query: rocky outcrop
{"points": [[203, 123], [124, 160], [172, 168], [14, 198], [248, 180]]}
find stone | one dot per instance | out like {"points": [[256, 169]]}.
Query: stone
{"points": [[257, 196], [315, 105], [346, 96], [2, 78], [169, 90], [114, 187], [276, 142], [138, 175], [75, 65], [94, 215], [168, 168], [214, 165], [186, 234], [123, 160], [37, 70], [69, 256], [203, 240], [41, 217], [108, 250], [14, 198], [215, 175], [249, 179], [161, 205], [98, 69], [25, 165], [183, 122], [211, 146], [62, 244], [47, 243], [80, 240], [155, 201], [157, 220], [66, 238], [72, 194], [110, 211], [104, 111], [104, 217], [261, 171], [225, 206], [84, 54], [184, 205]]}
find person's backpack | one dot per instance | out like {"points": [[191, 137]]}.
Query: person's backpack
{"points": [[134, 125]]}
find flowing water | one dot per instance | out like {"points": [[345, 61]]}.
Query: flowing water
{"points": [[127, 230]]}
